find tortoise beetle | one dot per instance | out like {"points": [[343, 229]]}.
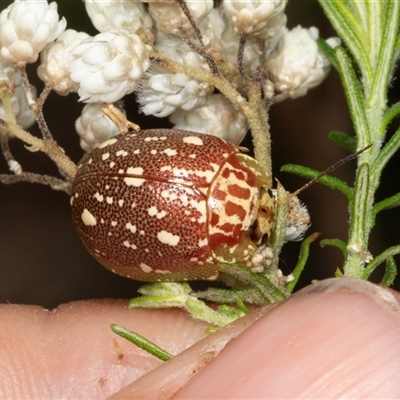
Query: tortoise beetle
{"points": [[169, 205]]}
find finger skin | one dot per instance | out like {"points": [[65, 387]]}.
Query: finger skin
{"points": [[71, 352], [338, 339]]}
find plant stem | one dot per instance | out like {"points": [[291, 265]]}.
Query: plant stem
{"points": [[50, 147]]}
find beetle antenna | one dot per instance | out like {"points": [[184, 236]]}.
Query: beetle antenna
{"points": [[330, 169]]}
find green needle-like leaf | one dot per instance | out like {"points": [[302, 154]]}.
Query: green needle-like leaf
{"points": [[142, 342], [390, 272], [345, 141], [327, 180], [303, 256]]}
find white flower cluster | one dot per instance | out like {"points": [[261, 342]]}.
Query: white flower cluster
{"points": [[94, 127], [297, 65], [25, 29], [117, 61], [216, 117], [256, 19]]}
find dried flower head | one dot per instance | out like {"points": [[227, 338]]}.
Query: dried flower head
{"points": [[297, 65], [94, 127], [55, 60], [109, 66], [25, 29]]}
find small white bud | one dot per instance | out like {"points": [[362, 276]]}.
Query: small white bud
{"points": [[252, 17], [120, 16], [169, 17], [297, 65], [162, 92], [216, 117], [109, 66], [25, 29], [94, 127], [55, 60]]}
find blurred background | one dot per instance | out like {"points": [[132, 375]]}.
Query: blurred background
{"points": [[42, 260]]}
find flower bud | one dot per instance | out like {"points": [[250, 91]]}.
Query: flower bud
{"points": [[55, 60], [108, 66], [252, 17], [169, 17], [216, 117], [94, 127], [25, 29], [121, 16], [297, 65]]}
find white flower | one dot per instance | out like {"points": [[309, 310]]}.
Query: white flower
{"points": [[219, 31], [25, 29], [108, 66], [217, 117], [162, 92], [94, 127], [55, 59], [120, 16], [169, 17], [252, 17], [297, 64]]}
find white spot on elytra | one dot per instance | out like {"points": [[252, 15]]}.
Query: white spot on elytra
{"points": [[130, 227], [170, 152], [112, 164], [122, 153], [105, 156], [129, 245], [145, 268], [162, 271], [134, 171], [153, 152], [203, 242], [137, 151], [153, 212], [114, 223], [121, 202], [109, 200], [99, 197], [88, 218], [133, 181], [107, 143], [168, 238], [141, 232], [193, 140], [150, 138]]}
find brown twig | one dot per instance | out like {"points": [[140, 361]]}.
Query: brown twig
{"points": [[242, 44], [54, 183]]}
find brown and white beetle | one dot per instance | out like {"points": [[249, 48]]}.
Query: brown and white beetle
{"points": [[169, 205]]}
